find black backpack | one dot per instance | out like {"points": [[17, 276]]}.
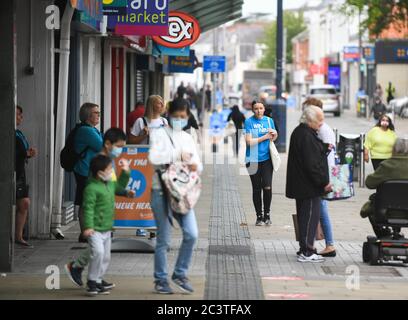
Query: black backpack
{"points": [[68, 156]]}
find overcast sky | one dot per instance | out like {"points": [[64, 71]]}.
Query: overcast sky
{"points": [[268, 6]]}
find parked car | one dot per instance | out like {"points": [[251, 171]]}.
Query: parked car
{"points": [[234, 99], [267, 93], [329, 96], [400, 107]]}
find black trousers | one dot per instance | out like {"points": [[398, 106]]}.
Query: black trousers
{"points": [[261, 178], [79, 196], [308, 215], [235, 142]]}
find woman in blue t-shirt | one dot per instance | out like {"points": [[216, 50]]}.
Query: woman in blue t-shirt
{"points": [[259, 131]]}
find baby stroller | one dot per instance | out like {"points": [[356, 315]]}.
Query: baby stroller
{"points": [[391, 211]]}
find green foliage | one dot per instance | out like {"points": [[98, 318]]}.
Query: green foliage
{"points": [[294, 24], [381, 14]]}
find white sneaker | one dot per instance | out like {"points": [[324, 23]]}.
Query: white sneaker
{"points": [[314, 258]]}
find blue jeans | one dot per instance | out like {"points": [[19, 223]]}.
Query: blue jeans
{"points": [[188, 225], [325, 222]]}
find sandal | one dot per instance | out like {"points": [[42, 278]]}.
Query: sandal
{"points": [[24, 244]]}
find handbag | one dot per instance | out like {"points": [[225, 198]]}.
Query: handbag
{"points": [[319, 231], [341, 179], [182, 185], [276, 160]]}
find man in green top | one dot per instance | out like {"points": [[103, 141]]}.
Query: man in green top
{"points": [[395, 168]]}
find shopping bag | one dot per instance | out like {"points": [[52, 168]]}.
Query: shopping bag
{"points": [[341, 179], [276, 160], [275, 157], [319, 231]]}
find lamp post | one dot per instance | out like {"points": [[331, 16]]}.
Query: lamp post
{"points": [[277, 108], [279, 51]]}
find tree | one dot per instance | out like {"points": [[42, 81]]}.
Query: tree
{"points": [[294, 24], [381, 14]]}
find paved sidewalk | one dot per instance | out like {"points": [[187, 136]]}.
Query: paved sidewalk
{"points": [[233, 259]]}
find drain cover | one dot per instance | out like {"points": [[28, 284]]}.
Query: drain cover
{"points": [[230, 250], [364, 271]]}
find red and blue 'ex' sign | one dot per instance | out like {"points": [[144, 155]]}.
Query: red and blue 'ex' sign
{"points": [[143, 17], [184, 30]]}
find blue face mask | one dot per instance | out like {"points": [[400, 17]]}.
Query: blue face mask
{"points": [[178, 123], [116, 151]]}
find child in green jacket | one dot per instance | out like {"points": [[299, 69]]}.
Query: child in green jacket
{"points": [[99, 208]]}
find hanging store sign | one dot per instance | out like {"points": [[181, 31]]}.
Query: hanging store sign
{"points": [[143, 17], [351, 54], [184, 30], [89, 12], [369, 54], [180, 64], [114, 7], [161, 51]]}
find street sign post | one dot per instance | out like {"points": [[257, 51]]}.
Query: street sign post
{"points": [[214, 64]]}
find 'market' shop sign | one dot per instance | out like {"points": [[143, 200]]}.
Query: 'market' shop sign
{"points": [[143, 17]]}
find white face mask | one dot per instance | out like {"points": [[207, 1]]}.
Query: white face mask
{"points": [[178, 123], [105, 176]]}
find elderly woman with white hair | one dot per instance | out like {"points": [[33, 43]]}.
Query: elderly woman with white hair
{"points": [[308, 179], [395, 168]]}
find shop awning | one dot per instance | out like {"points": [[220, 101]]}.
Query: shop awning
{"points": [[210, 13]]}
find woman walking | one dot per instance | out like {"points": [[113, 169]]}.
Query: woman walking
{"points": [[169, 145], [259, 132], [239, 119], [379, 141]]}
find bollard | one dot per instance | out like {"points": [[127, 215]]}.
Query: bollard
{"points": [[362, 162], [336, 133]]}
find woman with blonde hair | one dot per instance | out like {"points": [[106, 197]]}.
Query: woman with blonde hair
{"points": [[140, 132]]}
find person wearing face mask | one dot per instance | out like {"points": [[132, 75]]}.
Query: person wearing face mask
{"points": [[259, 132], [113, 142], [169, 145], [99, 208], [379, 141]]}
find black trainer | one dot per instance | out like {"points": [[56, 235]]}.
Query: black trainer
{"points": [[92, 288], [107, 285], [259, 221], [74, 274], [267, 220], [102, 289], [82, 239]]}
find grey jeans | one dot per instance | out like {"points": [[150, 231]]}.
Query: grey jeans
{"points": [[100, 245]]}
